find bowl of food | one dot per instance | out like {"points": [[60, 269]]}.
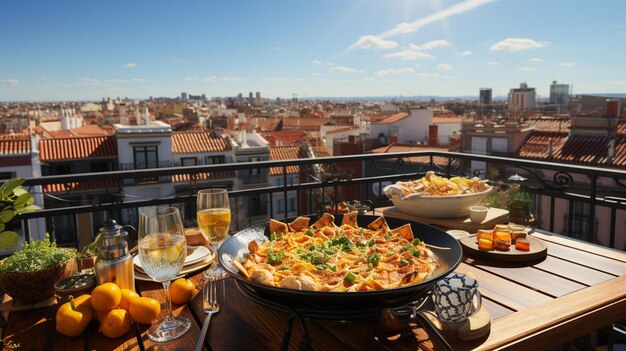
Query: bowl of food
{"points": [[28, 275], [438, 197], [74, 285]]}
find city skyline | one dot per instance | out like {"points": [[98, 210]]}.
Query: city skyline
{"points": [[70, 50]]}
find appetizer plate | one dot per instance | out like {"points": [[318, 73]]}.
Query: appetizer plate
{"points": [[538, 251]]}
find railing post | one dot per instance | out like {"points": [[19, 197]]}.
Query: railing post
{"points": [[592, 209]]}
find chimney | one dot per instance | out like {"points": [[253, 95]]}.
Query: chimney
{"points": [[433, 134], [612, 108], [393, 139], [610, 152]]}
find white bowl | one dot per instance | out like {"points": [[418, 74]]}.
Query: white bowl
{"points": [[478, 213], [435, 206]]}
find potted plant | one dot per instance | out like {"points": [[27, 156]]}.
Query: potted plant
{"points": [[87, 256], [14, 199]]}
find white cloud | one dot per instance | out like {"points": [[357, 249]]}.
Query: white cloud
{"points": [[384, 72], [466, 53], [427, 75], [373, 42], [276, 79], [330, 64], [444, 67], [430, 45], [91, 81], [527, 69], [116, 80], [344, 69], [221, 79], [316, 62], [11, 81], [139, 80], [567, 64], [191, 79], [493, 63], [459, 8], [516, 44], [536, 59], [615, 82], [409, 55], [130, 65]]}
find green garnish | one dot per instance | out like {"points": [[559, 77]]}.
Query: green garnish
{"points": [[350, 277], [416, 241], [274, 257], [403, 262], [309, 232], [415, 253], [362, 243], [374, 259], [406, 247], [371, 242], [284, 268], [35, 256], [272, 236]]}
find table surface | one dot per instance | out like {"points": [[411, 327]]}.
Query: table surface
{"points": [[578, 288]]}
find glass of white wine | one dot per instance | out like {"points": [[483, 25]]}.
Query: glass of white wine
{"points": [[214, 216], [162, 252]]}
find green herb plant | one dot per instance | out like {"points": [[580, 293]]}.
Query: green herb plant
{"points": [[35, 256], [14, 199]]}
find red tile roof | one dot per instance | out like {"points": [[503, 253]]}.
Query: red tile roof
{"points": [[14, 144], [342, 130], [186, 178], [549, 124], [393, 118], [579, 149], [289, 137], [291, 153], [284, 153], [308, 123], [77, 148], [440, 161], [191, 142], [86, 185]]}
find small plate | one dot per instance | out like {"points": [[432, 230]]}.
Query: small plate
{"points": [[140, 274], [538, 251], [196, 254]]}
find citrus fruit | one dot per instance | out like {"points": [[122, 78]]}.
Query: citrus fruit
{"points": [[115, 323], [144, 310], [181, 291], [128, 296], [105, 297]]}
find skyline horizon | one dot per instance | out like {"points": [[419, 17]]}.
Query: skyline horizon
{"points": [[72, 50]]}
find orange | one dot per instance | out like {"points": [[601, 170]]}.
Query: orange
{"points": [[115, 323], [128, 296], [105, 297], [144, 310], [181, 291]]}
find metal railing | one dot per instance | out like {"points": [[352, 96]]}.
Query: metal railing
{"points": [[324, 179]]}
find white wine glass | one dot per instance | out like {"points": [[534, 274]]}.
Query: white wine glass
{"points": [[213, 212], [162, 252]]}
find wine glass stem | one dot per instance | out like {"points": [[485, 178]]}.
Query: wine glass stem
{"points": [[169, 317]]}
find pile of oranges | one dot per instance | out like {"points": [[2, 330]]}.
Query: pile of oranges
{"points": [[115, 308]]}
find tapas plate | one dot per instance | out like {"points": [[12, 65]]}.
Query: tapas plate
{"points": [[538, 251]]}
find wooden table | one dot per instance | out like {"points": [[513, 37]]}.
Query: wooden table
{"points": [[577, 289]]}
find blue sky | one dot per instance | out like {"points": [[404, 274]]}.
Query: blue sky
{"points": [[81, 50]]}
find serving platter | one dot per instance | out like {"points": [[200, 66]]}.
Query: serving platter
{"points": [[236, 246], [538, 251]]}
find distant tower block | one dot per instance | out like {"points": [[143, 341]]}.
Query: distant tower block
{"points": [[258, 95], [485, 96], [183, 96], [294, 97]]}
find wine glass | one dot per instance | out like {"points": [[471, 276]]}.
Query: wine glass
{"points": [[162, 252], [213, 209]]}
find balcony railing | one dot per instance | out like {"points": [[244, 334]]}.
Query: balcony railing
{"points": [[555, 186], [145, 179]]}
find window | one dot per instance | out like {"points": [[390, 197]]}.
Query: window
{"points": [[292, 204], [146, 157], [281, 206], [214, 160], [254, 171], [258, 205], [279, 181], [7, 175], [100, 166], [188, 161], [580, 220], [57, 169]]}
